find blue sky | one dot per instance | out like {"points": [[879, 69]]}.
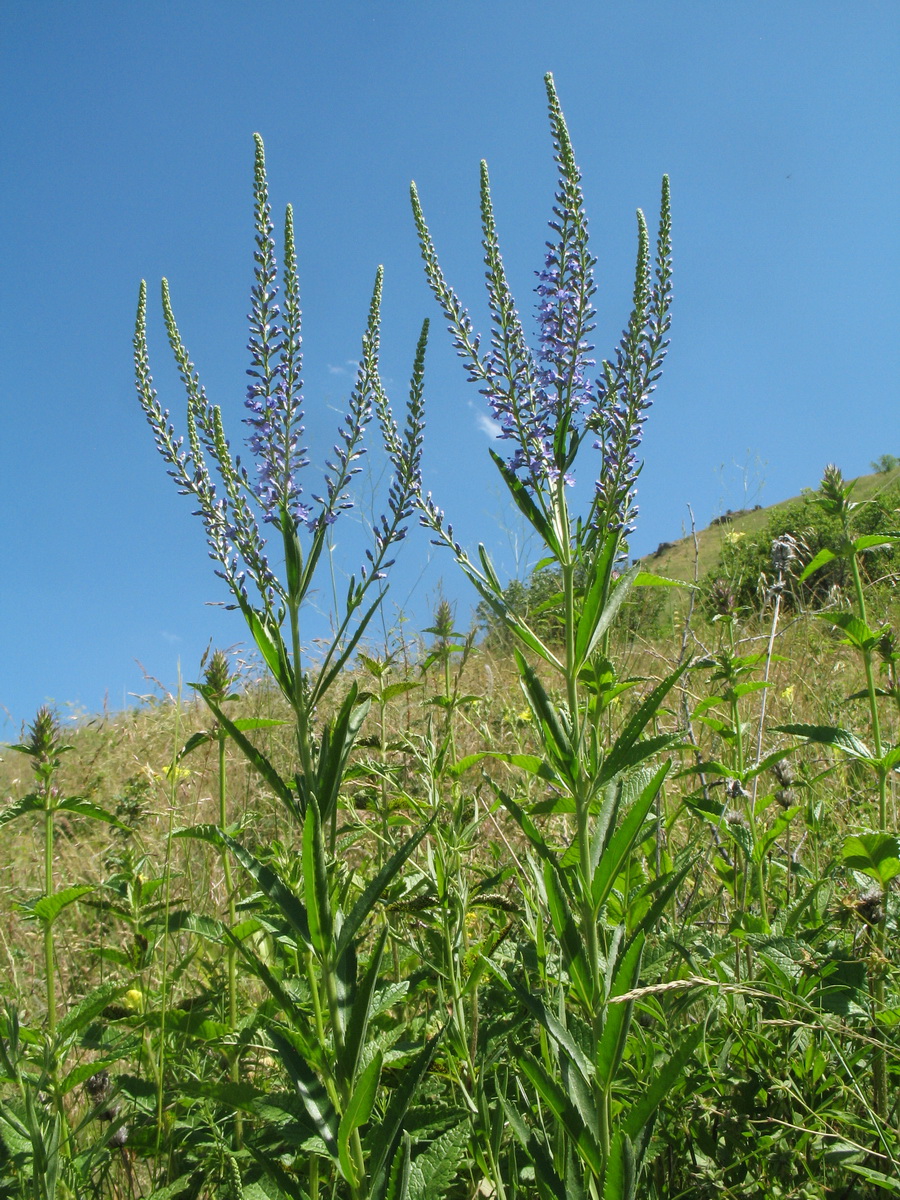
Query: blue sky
{"points": [[127, 137]]}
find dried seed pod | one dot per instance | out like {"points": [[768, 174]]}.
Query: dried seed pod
{"points": [[870, 906], [784, 773]]}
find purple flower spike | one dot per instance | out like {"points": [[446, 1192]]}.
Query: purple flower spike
{"points": [[274, 398]]}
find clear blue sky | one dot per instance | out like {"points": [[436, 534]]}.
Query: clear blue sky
{"points": [[127, 154]]}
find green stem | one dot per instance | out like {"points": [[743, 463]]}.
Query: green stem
{"points": [[234, 1066], [879, 1061], [49, 956]]}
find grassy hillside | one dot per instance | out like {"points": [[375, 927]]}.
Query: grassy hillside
{"points": [[676, 559]]}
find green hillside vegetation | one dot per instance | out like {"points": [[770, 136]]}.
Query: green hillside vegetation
{"points": [[736, 546]]}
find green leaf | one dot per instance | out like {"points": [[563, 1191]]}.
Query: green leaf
{"points": [[338, 738], [655, 1090], [398, 689], [618, 1016], [619, 1177], [194, 741], [526, 505], [615, 854], [374, 889], [310, 1089], [85, 1071], [605, 619], [875, 854], [869, 541], [824, 556], [87, 808], [245, 723], [255, 757], [269, 881], [357, 1022], [358, 1110], [528, 827], [389, 1131], [80, 1016], [565, 1112], [591, 602], [556, 739], [552, 1024], [398, 1181], [648, 579], [315, 882], [621, 754], [48, 908], [19, 808], [271, 646], [858, 632], [829, 735], [432, 1173], [525, 762]]}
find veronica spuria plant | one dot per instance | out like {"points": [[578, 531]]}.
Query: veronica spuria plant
{"points": [[321, 987], [551, 405]]}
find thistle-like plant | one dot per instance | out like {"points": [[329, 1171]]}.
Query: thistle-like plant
{"points": [[547, 407], [875, 855]]}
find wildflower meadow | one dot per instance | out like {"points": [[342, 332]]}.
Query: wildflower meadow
{"points": [[593, 899]]}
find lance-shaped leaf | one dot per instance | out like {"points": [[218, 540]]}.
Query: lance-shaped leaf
{"points": [[271, 646], [374, 889], [565, 1112], [622, 842], [357, 1021], [569, 935], [358, 1110], [618, 1016], [270, 882], [525, 504], [549, 1184], [534, 835], [550, 1022], [623, 753], [254, 756], [398, 1181], [557, 741], [619, 1177], [276, 989], [389, 1132], [589, 632], [315, 882], [310, 1090], [338, 739], [655, 1090]]}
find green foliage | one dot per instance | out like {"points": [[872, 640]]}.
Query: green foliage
{"points": [[746, 561]]}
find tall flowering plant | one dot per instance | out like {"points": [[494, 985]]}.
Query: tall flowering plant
{"points": [[236, 502], [321, 1028], [551, 403]]}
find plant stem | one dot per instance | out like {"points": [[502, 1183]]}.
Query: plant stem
{"points": [[49, 957], [234, 1068]]}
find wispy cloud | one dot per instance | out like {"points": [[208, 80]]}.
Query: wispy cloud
{"points": [[487, 426], [171, 638], [336, 370]]}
